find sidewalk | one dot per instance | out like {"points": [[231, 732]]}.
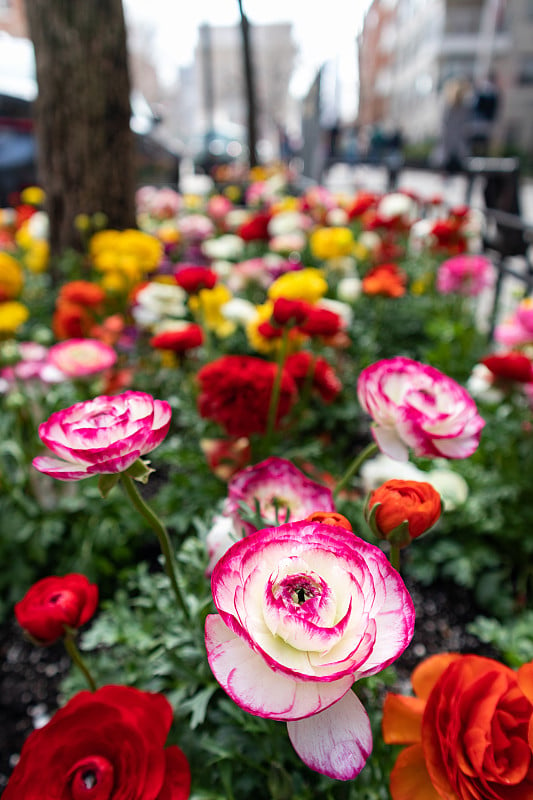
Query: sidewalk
{"points": [[342, 177]]}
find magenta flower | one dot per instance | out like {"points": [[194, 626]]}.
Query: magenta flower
{"points": [[80, 357], [518, 329], [280, 488], [465, 274], [415, 406], [103, 435], [305, 610]]}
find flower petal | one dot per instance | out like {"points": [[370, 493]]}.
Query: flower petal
{"points": [[61, 470], [409, 779], [336, 742], [256, 688], [402, 719]]}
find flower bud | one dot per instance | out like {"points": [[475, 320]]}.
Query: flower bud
{"points": [[400, 511], [330, 518]]}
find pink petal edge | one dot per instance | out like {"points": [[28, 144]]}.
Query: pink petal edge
{"points": [[336, 742]]}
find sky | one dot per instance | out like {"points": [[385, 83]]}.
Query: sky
{"points": [[321, 30]]}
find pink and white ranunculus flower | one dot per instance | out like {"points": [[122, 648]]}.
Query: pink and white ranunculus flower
{"points": [[103, 435], [415, 406], [78, 358], [282, 491], [305, 610]]}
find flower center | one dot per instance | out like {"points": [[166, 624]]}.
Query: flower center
{"points": [[92, 778], [297, 590]]}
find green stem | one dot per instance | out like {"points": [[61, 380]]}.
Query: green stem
{"points": [[75, 655], [394, 556], [162, 534], [276, 388], [369, 451]]}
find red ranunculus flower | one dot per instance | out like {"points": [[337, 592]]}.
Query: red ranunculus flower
{"points": [[290, 312], [511, 366], [54, 603], [362, 202], [106, 745], [256, 228], [324, 379], [467, 731], [235, 392], [321, 322], [404, 510], [193, 278], [71, 321], [179, 340]]}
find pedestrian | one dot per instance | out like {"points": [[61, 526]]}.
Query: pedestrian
{"points": [[484, 111], [453, 146]]}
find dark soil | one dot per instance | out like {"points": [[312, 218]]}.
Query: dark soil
{"points": [[30, 676]]}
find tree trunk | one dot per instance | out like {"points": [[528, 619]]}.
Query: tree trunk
{"points": [[85, 144], [249, 83]]}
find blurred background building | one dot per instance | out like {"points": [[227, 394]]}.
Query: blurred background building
{"points": [[404, 53], [409, 49]]}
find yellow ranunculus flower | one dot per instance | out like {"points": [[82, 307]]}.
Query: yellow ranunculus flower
{"points": [[114, 281], [286, 203], [304, 284], [12, 316], [11, 277], [207, 305], [132, 252], [33, 196], [36, 258], [193, 202], [331, 242]]}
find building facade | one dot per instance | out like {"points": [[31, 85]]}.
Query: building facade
{"points": [[422, 44]]}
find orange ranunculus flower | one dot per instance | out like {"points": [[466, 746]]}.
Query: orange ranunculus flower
{"points": [[83, 293], [402, 510], [468, 731], [330, 518], [386, 279]]}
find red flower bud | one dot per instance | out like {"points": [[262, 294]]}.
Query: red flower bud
{"points": [[402, 510], [55, 603]]}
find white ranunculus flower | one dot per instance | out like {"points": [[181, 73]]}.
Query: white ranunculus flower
{"points": [[239, 310], [39, 225], [349, 289], [480, 384], [228, 246], [377, 470], [370, 240], [452, 487], [236, 217], [158, 301], [337, 217], [286, 222], [396, 204]]}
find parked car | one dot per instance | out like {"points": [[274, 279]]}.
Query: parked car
{"points": [[217, 147], [157, 162]]}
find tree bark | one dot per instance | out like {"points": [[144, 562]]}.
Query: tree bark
{"points": [[85, 144], [249, 83]]}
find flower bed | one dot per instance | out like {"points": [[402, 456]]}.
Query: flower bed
{"points": [[294, 395]]}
